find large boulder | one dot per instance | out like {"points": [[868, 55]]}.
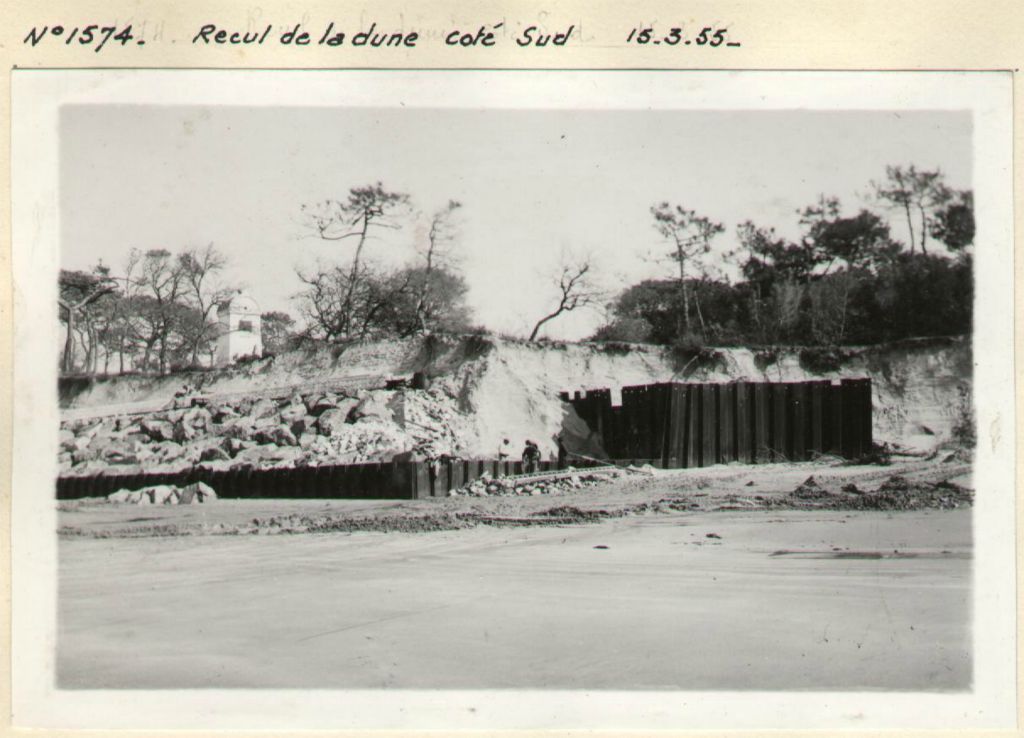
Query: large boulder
{"points": [[171, 416], [166, 451], [165, 494], [197, 417], [321, 403], [266, 455], [126, 495], [306, 425], [193, 423], [375, 406], [137, 439], [119, 452], [332, 422], [66, 439], [89, 428], [262, 408], [158, 430], [234, 445], [201, 448], [214, 453], [87, 451], [173, 466], [215, 466], [240, 428], [160, 494], [128, 426], [88, 468], [184, 433], [278, 435], [290, 413], [197, 492]]}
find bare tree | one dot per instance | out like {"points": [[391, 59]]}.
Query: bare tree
{"points": [[910, 190], [576, 290], [199, 269], [124, 308], [163, 279], [436, 255], [365, 209], [691, 235], [77, 291], [370, 310]]}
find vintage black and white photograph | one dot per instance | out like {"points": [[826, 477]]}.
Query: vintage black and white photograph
{"points": [[645, 398]]}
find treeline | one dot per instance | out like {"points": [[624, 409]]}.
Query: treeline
{"points": [[846, 280], [358, 298], [159, 314]]}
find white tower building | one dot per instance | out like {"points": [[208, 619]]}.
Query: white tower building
{"points": [[239, 319]]}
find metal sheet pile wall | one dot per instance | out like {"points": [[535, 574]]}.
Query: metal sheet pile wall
{"points": [[677, 425], [400, 480]]}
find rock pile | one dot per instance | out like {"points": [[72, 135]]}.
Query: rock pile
{"points": [[165, 494], [895, 493], [487, 485], [811, 490], [302, 430]]}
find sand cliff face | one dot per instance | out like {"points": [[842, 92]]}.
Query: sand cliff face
{"points": [[484, 390], [921, 391]]}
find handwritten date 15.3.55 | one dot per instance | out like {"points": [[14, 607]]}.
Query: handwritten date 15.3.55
{"points": [[708, 36]]}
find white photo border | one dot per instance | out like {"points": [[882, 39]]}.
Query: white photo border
{"points": [[37, 96]]}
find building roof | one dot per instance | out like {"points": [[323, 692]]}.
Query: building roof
{"points": [[239, 302]]}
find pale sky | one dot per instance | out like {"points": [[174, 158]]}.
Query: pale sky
{"points": [[532, 184]]}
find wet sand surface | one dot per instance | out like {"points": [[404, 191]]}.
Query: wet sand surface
{"points": [[780, 600]]}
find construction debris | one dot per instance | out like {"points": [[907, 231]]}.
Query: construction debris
{"points": [[545, 483]]}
